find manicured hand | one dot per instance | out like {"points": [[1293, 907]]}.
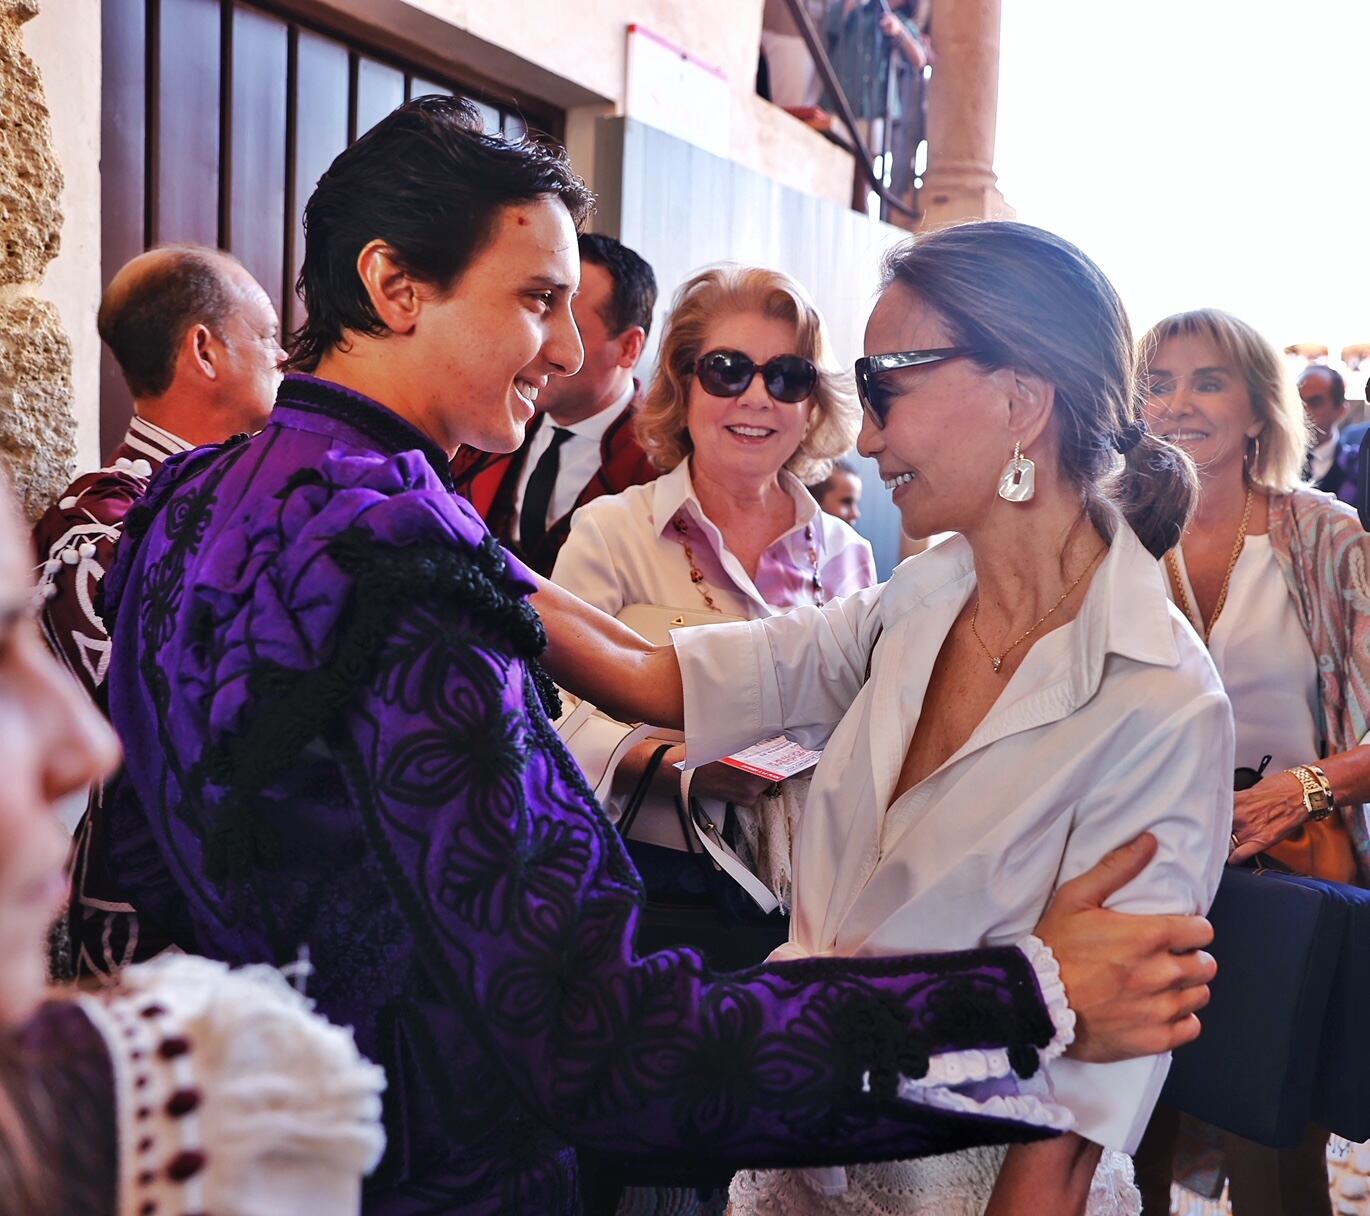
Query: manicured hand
{"points": [[1135, 982]]}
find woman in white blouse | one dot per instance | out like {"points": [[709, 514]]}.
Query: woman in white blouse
{"points": [[745, 408], [1272, 575], [1010, 706]]}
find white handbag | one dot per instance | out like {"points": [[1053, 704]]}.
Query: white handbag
{"points": [[597, 741]]}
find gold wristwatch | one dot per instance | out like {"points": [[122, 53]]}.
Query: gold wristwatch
{"points": [[1317, 791]]}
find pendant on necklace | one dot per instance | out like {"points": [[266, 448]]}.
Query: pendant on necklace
{"points": [[995, 663]]}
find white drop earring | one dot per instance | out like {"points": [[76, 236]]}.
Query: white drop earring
{"points": [[1018, 481]]}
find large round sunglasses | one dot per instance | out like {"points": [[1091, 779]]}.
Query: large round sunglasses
{"points": [[878, 401], [726, 373]]}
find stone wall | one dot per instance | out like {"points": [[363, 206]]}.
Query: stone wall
{"points": [[37, 430]]}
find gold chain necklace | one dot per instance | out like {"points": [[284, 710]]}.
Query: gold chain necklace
{"points": [[997, 663], [697, 575], [1172, 565]]}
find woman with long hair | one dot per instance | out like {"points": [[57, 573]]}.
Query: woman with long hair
{"points": [[1271, 574], [1010, 706]]}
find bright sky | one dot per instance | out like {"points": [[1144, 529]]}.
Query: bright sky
{"points": [[1203, 152]]}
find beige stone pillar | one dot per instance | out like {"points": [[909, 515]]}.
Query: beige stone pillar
{"points": [[37, 430], [962, 112]]}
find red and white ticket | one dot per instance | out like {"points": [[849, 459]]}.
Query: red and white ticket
{"points": [[774, 759]]}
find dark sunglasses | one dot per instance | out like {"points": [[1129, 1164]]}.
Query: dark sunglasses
{"points": [[876, 402], [726, 373]]}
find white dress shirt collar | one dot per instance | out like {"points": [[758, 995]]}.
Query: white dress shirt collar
{"points": [[596, 426], [153, 441], [580, 456], [1322, 457], [676, 489], [1126, 610]]}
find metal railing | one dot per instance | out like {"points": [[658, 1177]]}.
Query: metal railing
{"points": [[872, 172]]}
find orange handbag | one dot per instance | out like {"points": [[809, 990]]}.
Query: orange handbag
{"points": [[1320, 850]]}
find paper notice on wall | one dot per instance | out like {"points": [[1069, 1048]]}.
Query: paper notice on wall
{"points": [[775, 759]]}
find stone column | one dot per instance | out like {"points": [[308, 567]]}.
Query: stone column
{"points": [[962, 111], [37, 430]]}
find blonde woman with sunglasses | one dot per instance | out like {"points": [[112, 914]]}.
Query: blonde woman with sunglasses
{"points": [[745, 409]]}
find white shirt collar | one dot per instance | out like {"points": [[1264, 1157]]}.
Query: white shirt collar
{"points": [[596, 426], [675, 489], [1322, 457], [1126, 610], [152, 440]]}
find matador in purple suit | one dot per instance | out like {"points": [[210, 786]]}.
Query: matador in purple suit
{"points": [[326, 675]]}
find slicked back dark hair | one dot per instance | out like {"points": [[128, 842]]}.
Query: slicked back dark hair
{"points": [[429, 183], [144, 326], [634, 295]]}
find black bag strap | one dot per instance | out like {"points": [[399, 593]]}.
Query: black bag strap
{"points": [[870, 658], [641, 790], [684, 815]]}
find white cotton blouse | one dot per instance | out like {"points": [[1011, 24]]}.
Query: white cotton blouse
{"points": [[1266, 663], [622, 550], [1113, 724]]}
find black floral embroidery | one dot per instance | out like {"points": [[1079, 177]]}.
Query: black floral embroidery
{"points": [[479, 753]]}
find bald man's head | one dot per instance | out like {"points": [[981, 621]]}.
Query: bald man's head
{"points": [[197, 340], [155, 298], [1324, 398]]}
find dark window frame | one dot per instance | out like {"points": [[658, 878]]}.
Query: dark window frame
{"points": [[134, 159]]}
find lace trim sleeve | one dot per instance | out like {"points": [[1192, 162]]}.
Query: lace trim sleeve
{"points": [[232, 1095], [973, 1081]]}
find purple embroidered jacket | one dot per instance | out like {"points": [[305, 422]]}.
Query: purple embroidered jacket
{"points": [[324, 673]]}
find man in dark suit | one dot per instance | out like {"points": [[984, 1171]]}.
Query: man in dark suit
{"points": [[581, 444], [1330, 467]]}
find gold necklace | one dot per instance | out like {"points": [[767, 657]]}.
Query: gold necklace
{"points": [[697, 575], [998, 662], [1172, 566]]}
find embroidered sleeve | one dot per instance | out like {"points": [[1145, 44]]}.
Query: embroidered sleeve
{"points": [[230, 1093], [76, 540], [524, 905]]}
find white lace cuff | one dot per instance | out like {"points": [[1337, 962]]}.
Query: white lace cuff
{"points": [[972, 1081], [1043, 962], [233, 1096]]}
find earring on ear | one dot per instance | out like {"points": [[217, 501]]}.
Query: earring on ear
{"points": [[1253, 457], [1018, 481]]}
